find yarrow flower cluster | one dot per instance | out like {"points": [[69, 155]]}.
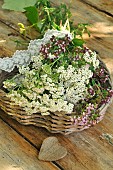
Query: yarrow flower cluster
{"points": [[61, 78]]}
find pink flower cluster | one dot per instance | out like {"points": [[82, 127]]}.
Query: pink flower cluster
{"points": [[56, 46]]}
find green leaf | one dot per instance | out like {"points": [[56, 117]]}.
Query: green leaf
{"points": [[92, 68], [47, 69], [55, 77], [93, 82], [78, 42], [55, 26], [39, 25], [18, 5], [105, 92], [31, 14]]}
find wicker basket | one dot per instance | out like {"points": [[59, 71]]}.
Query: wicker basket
{"points": [[57, 122]]}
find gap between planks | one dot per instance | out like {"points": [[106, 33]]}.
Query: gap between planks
{"points": [[97, 8], [7, 23], [16, 152], [27, 140]]}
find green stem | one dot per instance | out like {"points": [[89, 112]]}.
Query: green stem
{"points": [[56, 61], [48, 14]]}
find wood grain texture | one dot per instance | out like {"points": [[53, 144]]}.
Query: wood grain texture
{"points": [[8, 36], [16, 153], [87, 150], [11, 19], [101, 5], [52, 150]]}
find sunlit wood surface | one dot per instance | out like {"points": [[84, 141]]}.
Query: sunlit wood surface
{"points": [[90, 149]]}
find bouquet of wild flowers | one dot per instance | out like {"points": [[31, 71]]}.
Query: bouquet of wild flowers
{"points": [[58, 76]]}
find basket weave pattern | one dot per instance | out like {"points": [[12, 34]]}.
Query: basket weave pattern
{"points": [[57, 122]]}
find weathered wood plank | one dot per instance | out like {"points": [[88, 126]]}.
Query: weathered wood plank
{"points": [[12, 19], [101, 5], [86, 150], [16, 153], [8, 38], [32, 133]]}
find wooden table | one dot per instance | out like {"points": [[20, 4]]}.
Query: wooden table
{"points": [[90, 149]]}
